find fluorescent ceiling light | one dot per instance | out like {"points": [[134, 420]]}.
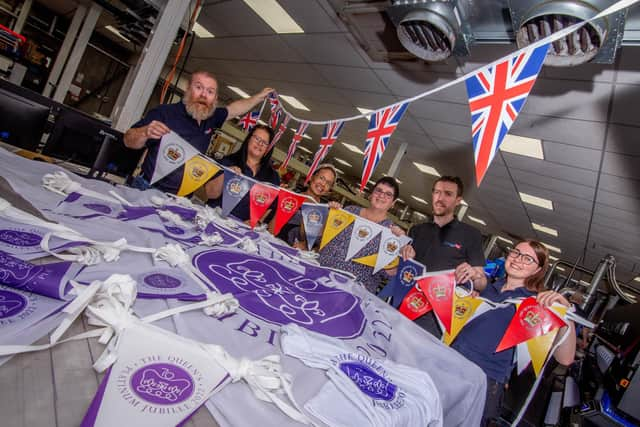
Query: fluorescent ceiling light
{"points": [[365, 111], [523, 146], [400, 200], [536, 201], [306, 150], [505, 240], [418, 199], [342, 162], [294, 102], [552, 248], [464, 203], [262, 122], [353, 148], [478, 220], [239, 91], [275, 16], [117, 33], [341, 172], [305, 136], [202, 32], [559, 268], [426, 169], [636, 279], [371, 182], [544, 229], [552, 258]]}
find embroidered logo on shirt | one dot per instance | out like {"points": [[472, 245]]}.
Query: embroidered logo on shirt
{"points": [[208, 131], [457, 246]]}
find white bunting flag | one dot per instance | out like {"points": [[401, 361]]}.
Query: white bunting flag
{"points": [[172, 153], [390, 245], [363, 232]]}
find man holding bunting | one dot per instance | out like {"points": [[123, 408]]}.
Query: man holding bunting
{"points": [[447, 243], [195, 119]]}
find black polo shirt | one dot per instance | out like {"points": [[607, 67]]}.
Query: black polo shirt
{"points": [[446, 247], [175, 116]]}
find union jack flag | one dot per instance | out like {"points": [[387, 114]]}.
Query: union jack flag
{"points": [[329, 136], [381, 126], [497, 93], [280, 132], [297, 137], [249, 120], [276, 111]]}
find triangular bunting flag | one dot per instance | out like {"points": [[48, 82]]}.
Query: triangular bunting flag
{"points": [[313, 218], [288, 205], [329, 136], [381, 126], [197, 171], [415, 304], [280, 132], [297, 137], [497, 94], [261, 196], [439, 289], [235, 188], [370, 260], [463, 309], [403, 281], [276, 111], [389, 248], [173, 152], [337, 220], [363, 232], [531, 320], [539, 349], [249, 120]]}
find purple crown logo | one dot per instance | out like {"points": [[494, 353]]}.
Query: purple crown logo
{"points": [[235, 187], [368, 381], [162, 384], [161, 281], [11, 303]]}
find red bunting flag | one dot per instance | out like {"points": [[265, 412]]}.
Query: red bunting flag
{"points": [[260, 198], [415, 304], [531, 320], [439, 291], [288, 205]]}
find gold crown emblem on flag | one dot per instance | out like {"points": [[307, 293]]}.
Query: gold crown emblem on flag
{"points": [[531, 319], [288, 204], [407, 276], [197, 171], [363, 232], [314, 217], [338, 221], [416, 303], [439, 291], [392, 246], [174, 153], [261, 198], [461, 309], [235, 187]]}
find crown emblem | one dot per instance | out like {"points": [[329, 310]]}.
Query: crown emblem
{"points": [[314, 217], [235, 187], [337, 222], [532, 319], [197, 172], [460, 310], [288, 204], [173, 154], [363, 232], [439, 291], [162, 385], [407, 276], [416, 303], [261, 198], [392, 246]]}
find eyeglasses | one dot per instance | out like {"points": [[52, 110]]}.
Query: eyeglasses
{"points": [[385, 194], [526, 259], [259, 140]]}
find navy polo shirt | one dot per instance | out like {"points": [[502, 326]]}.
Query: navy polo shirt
{"points": [[479, 339], [446, 247], [175, 116], [267, 174]]}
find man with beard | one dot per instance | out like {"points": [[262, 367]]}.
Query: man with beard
{"points": [[195, 119], [447, 243]]}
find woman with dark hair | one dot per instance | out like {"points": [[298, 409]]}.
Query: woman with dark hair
{"points": [[320, 184], [526, 265], [383, 195], [253, 160]]}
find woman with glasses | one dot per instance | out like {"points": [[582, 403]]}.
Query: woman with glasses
{"points": [[320, 184], [253, 159], [525, 265], [383, 196]]}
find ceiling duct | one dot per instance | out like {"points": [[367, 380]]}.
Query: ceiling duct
{"points": [[596, 41], [431, 30]]}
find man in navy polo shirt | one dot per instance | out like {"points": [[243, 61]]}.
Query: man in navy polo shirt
{"points": [[447, 243], [195, 119]]}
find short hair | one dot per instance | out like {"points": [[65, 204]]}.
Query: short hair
{"points": [[391, 182], [454, 179], [203, 73]]}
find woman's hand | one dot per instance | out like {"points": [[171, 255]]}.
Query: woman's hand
{"points": [[548, 298], [334, 205], [236, 169], [407, 252], [397, 231]]}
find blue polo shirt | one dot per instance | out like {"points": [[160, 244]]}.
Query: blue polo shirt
{"points": [[175, 116], [479, 339]]}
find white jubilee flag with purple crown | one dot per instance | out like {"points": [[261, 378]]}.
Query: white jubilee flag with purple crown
{"points": [[173, 152]]}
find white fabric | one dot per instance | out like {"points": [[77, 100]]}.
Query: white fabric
{"points": [[396, 395], [59, 182]]}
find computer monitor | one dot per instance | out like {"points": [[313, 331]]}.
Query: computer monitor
{"points": [[84, 140], [22, 121]]}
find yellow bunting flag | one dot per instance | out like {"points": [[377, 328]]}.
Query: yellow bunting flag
{"points": [[370, 260], [337, 221], [197, 171], [539, 347], [462, 311]]}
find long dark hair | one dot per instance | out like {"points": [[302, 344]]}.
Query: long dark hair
{"points": [[239, 158], [535, 283]]}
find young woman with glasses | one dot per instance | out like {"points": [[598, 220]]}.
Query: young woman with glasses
{"points": [[526, 265], [253, 159], [384, 194]]}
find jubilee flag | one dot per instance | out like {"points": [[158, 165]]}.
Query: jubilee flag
{"points": [[261, 196], [198, 170]]}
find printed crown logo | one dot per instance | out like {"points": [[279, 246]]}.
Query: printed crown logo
{"points": [[416, 303], [235, 187], [338, 221], [174, 153], [314, 217], [162, 385], [261, 198], [461, 309], [288, 204], [363, 232], [439, 291], [531, 319], [197, 172], [392, 246], [407, 276]]}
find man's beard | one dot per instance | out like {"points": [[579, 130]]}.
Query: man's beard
{"points": [[197, 110]]}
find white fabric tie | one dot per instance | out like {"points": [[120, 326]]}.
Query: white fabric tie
{"points": [[60, 183]]}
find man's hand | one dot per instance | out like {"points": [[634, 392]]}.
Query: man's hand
{"points": [[264, 92], [464, 272], [156, 130], [407, 252]]}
